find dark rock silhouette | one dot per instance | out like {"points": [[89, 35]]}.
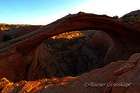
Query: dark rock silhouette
{"points": [[132, 16]]}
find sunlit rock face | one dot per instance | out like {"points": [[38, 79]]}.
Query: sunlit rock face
{"points": [[68, 35]]}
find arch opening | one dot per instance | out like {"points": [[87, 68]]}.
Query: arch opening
{"points": [[72, 53]]}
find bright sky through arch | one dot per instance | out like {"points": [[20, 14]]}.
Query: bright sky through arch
{"points": [[46, 11]]}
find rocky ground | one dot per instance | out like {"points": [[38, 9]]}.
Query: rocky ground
{"points": [[118, 77], [103, 60]]}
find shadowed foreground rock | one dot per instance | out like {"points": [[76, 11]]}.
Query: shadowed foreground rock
{"points": [[117, 77]]}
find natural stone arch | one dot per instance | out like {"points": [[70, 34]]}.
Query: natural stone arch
{"points": [[118, 30], [122, 35]]}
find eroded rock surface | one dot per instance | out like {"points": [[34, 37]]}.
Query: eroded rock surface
{"points": [[117, 77], [33, 56]]}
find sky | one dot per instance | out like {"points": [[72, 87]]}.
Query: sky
{"points": [[41, 12]]}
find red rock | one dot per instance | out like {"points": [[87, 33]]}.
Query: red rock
{"points": [[89, 82], [27, 53]]}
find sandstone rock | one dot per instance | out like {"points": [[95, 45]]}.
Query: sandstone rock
{"points": [[101, 80], [30, 50]]}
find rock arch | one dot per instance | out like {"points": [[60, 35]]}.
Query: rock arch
{"points": [[125, 38]]}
